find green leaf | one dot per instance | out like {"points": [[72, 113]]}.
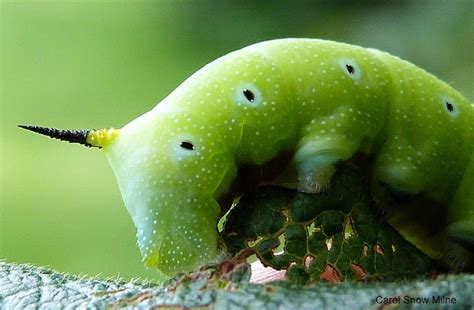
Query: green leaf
{"points": [[337, 230]]}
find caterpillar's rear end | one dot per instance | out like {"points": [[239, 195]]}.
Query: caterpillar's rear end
{"points": [[428, 153]]}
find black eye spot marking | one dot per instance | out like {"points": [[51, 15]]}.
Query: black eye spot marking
{"points": [[187, 145], [449, 106], [350, 69], [249, 95]]}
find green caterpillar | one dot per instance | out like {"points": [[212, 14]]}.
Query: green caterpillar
{"points": [[286, 112]]}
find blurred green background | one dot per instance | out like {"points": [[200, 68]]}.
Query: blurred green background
{"points": [[94, 64]]}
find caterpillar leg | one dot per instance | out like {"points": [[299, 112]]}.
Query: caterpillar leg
{"points": [[418, 219], [461, 217], [444, 232], [315, 160], [314, 178], [402, 177]]}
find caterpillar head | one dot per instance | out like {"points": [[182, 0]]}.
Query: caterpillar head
{"points": [[170, 179], [171, 167]]}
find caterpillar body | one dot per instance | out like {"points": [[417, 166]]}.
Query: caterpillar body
{"points": [[314, 103]]}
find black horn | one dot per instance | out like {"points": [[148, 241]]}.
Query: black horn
{"points": [[72, 136]]}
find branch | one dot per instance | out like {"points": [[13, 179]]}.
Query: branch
{"points": [[26, 286]]}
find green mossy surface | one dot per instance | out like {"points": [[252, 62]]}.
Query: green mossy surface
{"points": [[28, 287]]}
